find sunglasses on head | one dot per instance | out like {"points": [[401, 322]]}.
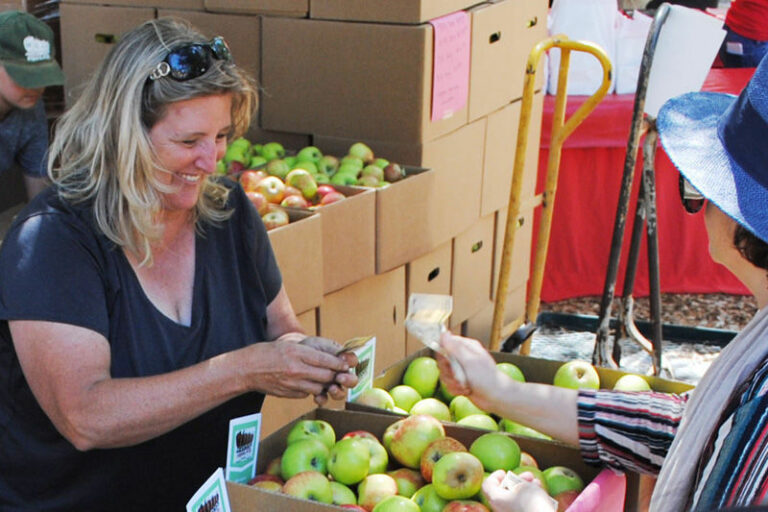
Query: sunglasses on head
{"points": [[190, 61], [689, 196]]}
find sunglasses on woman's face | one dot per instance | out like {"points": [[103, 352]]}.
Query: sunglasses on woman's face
{"points": [[191, 60], [690, 197]]}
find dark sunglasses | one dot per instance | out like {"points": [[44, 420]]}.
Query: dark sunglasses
{"points": [[689, 196], [191, 60]]}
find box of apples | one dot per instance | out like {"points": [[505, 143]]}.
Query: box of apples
{"points": [[381, 463]]}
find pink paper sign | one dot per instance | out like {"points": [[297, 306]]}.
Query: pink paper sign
{"points": [[450, 75]]}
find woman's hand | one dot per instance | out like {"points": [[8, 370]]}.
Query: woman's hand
{"points": [[342, 381], [479, 369], [526, 496]]}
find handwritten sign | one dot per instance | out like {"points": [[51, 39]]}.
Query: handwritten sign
{"points": [[450, 74]]}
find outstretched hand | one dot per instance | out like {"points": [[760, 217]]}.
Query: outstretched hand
{"points": [[526, 496]]}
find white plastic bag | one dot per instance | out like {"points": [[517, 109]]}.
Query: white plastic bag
{"points": [[583, 20], [630, 45]]}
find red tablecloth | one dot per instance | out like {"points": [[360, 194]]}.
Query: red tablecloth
{"points": [[585, 207]]}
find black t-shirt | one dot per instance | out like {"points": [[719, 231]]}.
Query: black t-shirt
{"points": [[55, 266]]}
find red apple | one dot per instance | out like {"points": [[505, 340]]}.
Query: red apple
{"points": [[294, 202], [322, 190], [272, 188], [291, 191], [275, 218], [266, 477], [250, 178], [273, 468], [465, 506], [357, 508], [565, 499], [526, 459], [375, 488], [360, 433], [435, 451], [268, 485], [406, 439], [408, 481], [258, 201], [309, 485], [302, 180], [331, 197]]}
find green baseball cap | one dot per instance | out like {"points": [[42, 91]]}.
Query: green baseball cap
{"points": [[27, 51]]}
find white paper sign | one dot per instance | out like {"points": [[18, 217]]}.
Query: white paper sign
{"points": [[212, 496], [243, 448], [688, 43], [366, 357]]}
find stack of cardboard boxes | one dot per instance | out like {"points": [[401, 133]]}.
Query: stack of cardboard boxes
{"points": [[335, 72]]}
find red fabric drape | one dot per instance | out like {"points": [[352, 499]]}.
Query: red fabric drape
{"points": [[585, 207]]}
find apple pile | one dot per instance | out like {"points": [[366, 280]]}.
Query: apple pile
{"points": [[414, 467], [422, 392]]}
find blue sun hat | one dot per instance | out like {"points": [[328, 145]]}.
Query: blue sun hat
{"points": [[719, 143]]}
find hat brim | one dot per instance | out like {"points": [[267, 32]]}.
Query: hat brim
{"points": [[688, 129], [35, 76]]}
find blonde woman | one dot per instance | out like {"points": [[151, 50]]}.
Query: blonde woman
{"points": [[709, 449], [141, 308]]}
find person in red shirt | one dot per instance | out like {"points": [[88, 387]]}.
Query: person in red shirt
{"points": [[746, 41]]}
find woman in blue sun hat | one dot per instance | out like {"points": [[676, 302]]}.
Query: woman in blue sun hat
{"points": [[709, 448]]}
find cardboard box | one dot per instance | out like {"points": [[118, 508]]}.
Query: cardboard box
{"points": [[308, 320], [410, 220], [258, 135], [88, 32], [299, 252], [430, 273], [242, 33], [348, 79], [520, 264], [349, 238], [478, 326], [503, 35], [500, 149], [290, 8], [472, 268], [168, 4], [391, 11], [245, 498], [373, 306], [13, 6]]}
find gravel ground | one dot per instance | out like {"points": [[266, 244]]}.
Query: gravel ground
{"points": [[684, 361]]}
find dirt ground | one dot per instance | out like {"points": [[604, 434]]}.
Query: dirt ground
{"points": [[717, 310]]}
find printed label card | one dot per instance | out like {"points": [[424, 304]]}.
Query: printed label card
{"points": [[212, 496], [364, 370], [243, 448]]}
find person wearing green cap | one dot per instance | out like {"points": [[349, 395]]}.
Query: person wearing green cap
{"points": [[27, 67]]}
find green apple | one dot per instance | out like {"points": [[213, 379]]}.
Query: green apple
{"points": [[272, 150], [436, 450], [278, 168], [304, 455], [376, 397], [396, 504], [374, 171], [577, 375], [457, 476], [422, 375], [535, 473], [461, 406], [408, 481], [257, 161], [361, 151], [353, 161], [342, 495], [404, 396], [290, 160], [379, 458], [560, 479], [343, 179], [481, 421], [349, 460], [526, 459], [428, 499], [368, 181], [496, 451], [512, 371], [307, 166], [400, 411], [312, 429], [322, 179], [309, 485], [374, 488], [309, 154], [235, 154], [221, 168], [381, 162], [513, 427], [433, 407], [242, 143], [407, 438], [631, 382], [302, 180], [443, 393], [328, 164]]}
